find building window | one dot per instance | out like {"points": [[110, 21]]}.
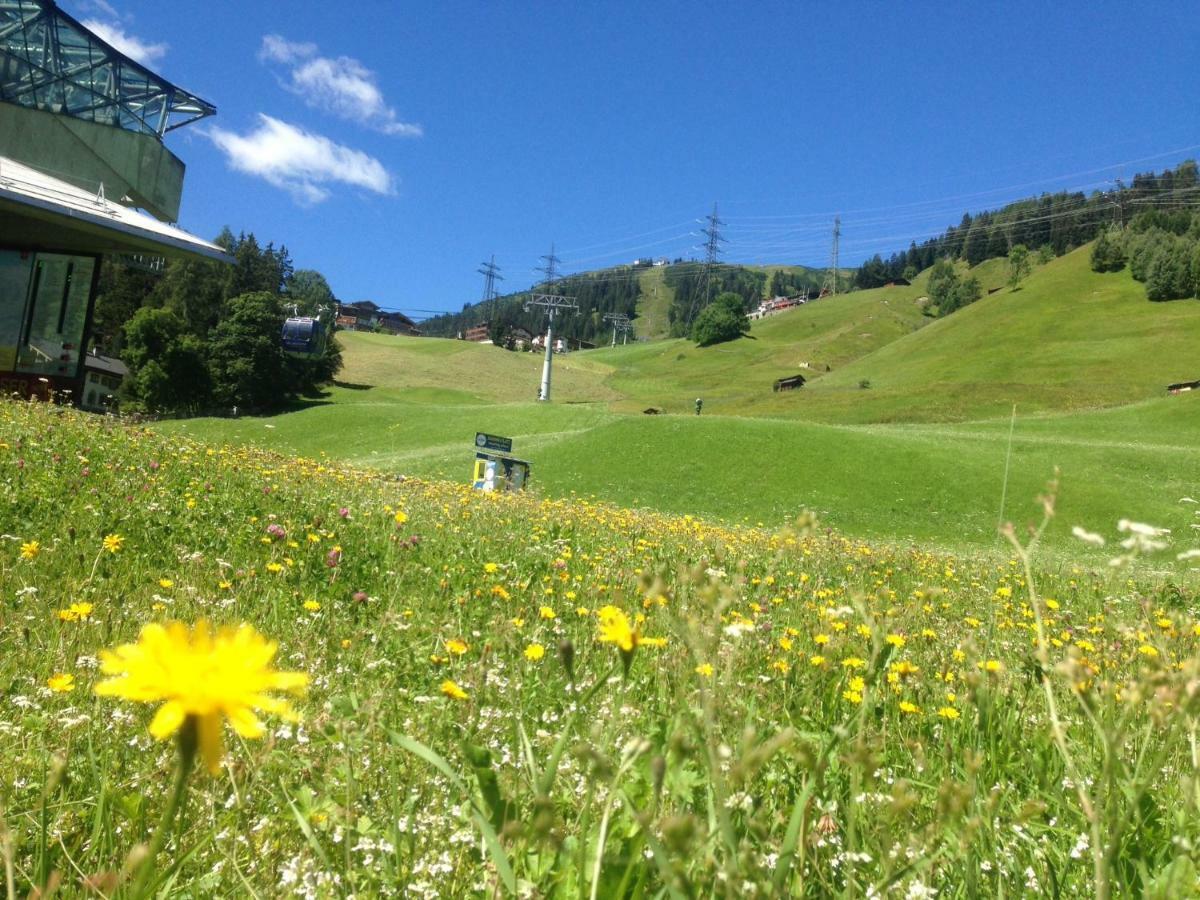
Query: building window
{"points": [[55, 315]]}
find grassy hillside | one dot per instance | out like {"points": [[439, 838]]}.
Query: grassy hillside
{"points": [[1068, 338], [919, 454], [735, 378]]}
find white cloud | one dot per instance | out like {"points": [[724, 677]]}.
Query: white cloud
{"points": [[342, 86], [131, 46], [299, 161]]}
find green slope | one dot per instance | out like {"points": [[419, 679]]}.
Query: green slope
{"points": [[1068, 339]]}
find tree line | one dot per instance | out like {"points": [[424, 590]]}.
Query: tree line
{"points": [[596, 294], [205, 336], [1161, 248], [1049, 224]]}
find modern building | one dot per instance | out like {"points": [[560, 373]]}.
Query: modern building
{"points": [[84, 174]]}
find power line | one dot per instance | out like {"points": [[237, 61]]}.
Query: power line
{"points": [[831, 277]]}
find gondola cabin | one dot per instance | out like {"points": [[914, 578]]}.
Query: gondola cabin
{"points": [[304, 336]]}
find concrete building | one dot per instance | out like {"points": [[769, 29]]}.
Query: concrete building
{"points": [[84, 174]]}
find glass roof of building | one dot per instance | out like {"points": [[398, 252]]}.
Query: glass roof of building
{"points": [[49, 61]]}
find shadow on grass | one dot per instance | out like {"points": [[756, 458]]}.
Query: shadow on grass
{"points": [[352, 386]]}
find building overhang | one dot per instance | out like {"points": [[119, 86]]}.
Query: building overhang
{"points": [[40, 212]]}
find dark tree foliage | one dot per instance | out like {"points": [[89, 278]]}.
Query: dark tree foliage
{"points": [[694, 290], [168, 366], [119, 295], [1054, 223], [248, 365], [596, 294], [178, 332], [1108, 253], [722, 320], [949, 291]]}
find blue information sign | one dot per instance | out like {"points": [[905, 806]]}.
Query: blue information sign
{"points": [[493, 442]]}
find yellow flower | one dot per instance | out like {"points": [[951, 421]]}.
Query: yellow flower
{"points": [[30, 550], [909, 708], [165, 583], [948, 712], [312, 605], [852, 696], [203, 677], [457, 647], [346, 643], [993, 665], [61, 683], [1051, 604], [225, 585], [401, 517], [1147, 650], [704, 670], [816, 660], [534, 652], [857, 684], [453, 691], [781, 665], [896, 640], [546, 612], [615, 629], [853, 662], [113, 542], [785, 643], [821, 640], [491, 567]]}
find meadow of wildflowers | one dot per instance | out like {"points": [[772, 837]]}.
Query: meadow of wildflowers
{"points": [[395, 687]]}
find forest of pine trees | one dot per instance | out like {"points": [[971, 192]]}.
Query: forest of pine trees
{"points": [[1051, 223]]}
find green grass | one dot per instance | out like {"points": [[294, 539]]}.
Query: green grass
{"points": [[904, 720], [919, 454]]}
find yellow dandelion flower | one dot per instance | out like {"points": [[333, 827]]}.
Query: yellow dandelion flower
{"points": [[113, 542], [346, 642], [534, 652], [852, 696], [781, 665], [615, 629], [547, 612], [908, 708], [993, 665], [203, 677], [312, 605], [274, 567], [853, 662], [165, 583], [1051, 603], [785, 643], [457, 647], [896, 640], [401, 517], [61, 683], [453, 691], [821, 640], [1148, 650], [948, 712], [491, 568], [857, 684], [30, 550], [704, 670], [224, 585], [816, 660]]}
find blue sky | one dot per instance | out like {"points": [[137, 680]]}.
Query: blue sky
{"points": [[395, 147]]}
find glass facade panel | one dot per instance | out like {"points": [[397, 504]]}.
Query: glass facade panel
{"points": [[14, 292], [58, 313]]}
